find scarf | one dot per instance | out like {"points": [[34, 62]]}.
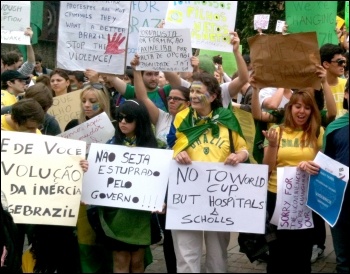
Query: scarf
{"points": [[190, 128], [336, 124]]}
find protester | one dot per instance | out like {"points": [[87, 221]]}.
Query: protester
{"points": [[77, 79], [12, 85], [336, 146], [60, 83], [203, 120], [302, 126], [39, 69], [127, 232], [43, 95], [162, 80], [334, 62], [178, 100]]}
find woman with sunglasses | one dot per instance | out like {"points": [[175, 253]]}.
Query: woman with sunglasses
{"points": [[94, 258], [129, 230], [178, 100], [205, 120], [295, 142]]}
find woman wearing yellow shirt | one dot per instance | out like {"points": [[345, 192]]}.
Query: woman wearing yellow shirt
{"points": [[295, 142]]}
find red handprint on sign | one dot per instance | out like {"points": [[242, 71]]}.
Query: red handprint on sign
{"points": [[114, 43]]}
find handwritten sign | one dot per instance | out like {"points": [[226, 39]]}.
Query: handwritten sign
{"points": [[308, 16], [98, 129], [93, 35], [285, 60], [217, 197], [127, 177], [165, 49], [15, 18], [291, 211], [279, 25], [143, 14], [261, 21], [210, 22], [41, 177], [66, 108]]}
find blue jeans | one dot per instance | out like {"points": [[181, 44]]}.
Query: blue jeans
{"points": [[341, 243]]}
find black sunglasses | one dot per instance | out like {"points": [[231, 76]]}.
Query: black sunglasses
{"points": [[176, 99], [127, 118], [340, 62]]}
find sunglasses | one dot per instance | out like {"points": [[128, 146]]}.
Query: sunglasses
{"points": [[340, 62], [127, 118], [176, 99]]}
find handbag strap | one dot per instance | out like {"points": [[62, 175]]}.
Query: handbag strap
{"points": [[232, 148]]}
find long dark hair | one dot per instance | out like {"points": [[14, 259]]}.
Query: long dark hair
{"points": [[143, 131]]}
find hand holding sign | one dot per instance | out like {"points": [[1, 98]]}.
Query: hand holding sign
{"points": [[114, 44]]}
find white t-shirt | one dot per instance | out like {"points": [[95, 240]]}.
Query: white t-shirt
{"points": [[163, 125], [268, 93]]}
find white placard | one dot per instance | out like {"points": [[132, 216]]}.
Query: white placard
{"points": [[15, 18], [332, 166], [279, 25], [210, 22], [261, 21], [41, 177], [143, 14], [93, 35], [127, 177], [165, 49], [98, 129], [217, 197], [291, 211]]}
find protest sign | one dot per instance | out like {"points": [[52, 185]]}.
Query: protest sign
{"points": [[308, 16], [143, 14], [326, 195], [15, 18], [279, 25], [165, 49], [98, 129], [285, 60], [210, 22], [66, 108], [41, 177], [127, 177], [261, 21], [93, 35], [247, 124], [216, 197], [291, 211]]}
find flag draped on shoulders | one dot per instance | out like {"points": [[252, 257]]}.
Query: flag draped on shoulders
{"points": [[188, 130]]}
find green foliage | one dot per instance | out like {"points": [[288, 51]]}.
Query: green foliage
{"points": [[247, 9]]}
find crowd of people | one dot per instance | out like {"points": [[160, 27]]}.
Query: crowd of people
{"points": [[168, 110]]}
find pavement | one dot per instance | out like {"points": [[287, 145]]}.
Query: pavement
{"points": [[239, 263]]}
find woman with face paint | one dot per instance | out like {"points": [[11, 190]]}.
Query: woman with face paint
{"points": [[93, 257], [194, 127], [178, 100]]}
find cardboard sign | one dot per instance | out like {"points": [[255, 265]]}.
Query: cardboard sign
{"points": [[216, 197], [165, 49], [41, 177], [285, 60], [15, 18], [93, 35], [66, 108]]}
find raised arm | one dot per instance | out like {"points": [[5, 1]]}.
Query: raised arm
{"points": [[275, 100], [141, 92], [243, 76]]}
